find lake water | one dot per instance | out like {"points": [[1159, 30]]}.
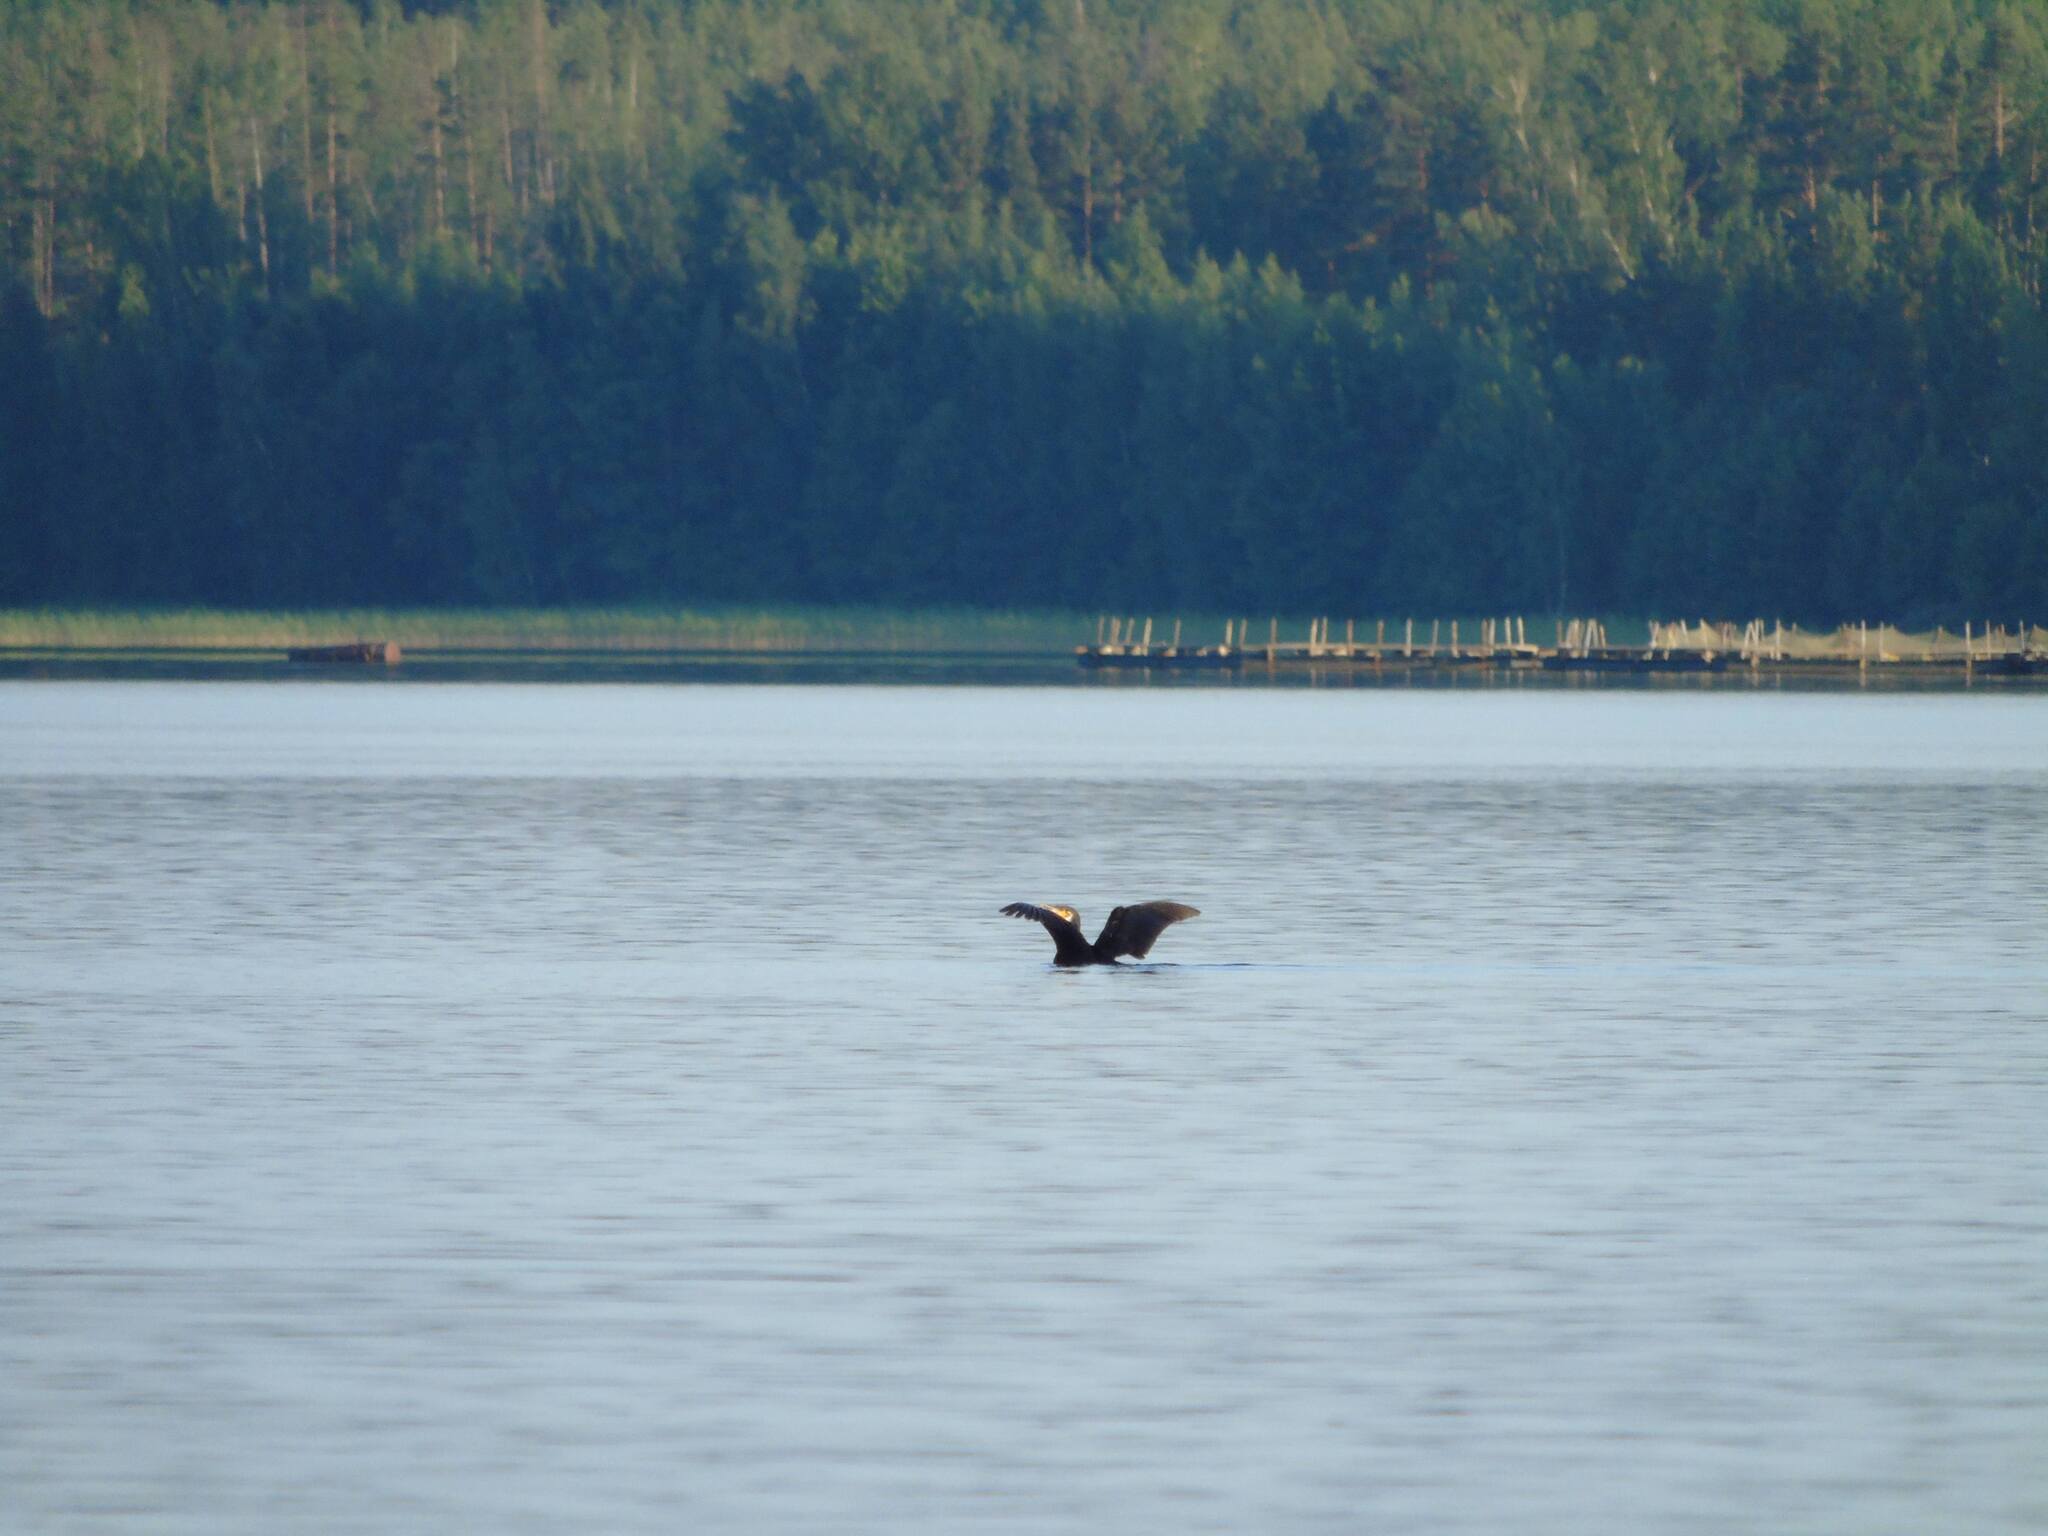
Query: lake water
{"points": [[530, 1108]]}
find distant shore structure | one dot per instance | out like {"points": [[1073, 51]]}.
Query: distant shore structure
{"points": [[376, 653], [1580, 645]]}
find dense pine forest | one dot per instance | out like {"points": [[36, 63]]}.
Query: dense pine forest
{"points": [[1699, 306]]}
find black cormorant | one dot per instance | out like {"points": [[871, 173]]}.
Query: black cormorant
{"points": [[1130, 930]]}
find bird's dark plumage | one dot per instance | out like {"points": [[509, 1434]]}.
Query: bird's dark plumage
{"points": [[1130, 930]]}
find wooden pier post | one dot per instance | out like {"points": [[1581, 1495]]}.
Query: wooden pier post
{"points": [[1148, 635], [1176, 634]]}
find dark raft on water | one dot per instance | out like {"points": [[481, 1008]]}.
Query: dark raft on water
{"points": [[368, 652]]}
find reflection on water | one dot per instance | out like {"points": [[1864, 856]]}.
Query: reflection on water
{"points": [[623, 1109]]}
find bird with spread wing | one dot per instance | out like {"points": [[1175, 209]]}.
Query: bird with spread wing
{"points": [[1130, 930]]}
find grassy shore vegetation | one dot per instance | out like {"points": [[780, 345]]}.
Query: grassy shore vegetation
{"points": [[570, 631], [1725, 307], [567, 630]]}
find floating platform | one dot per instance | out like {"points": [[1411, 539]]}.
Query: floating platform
{"points": [[376, 653]]}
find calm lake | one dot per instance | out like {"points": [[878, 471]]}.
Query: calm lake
{"points": [[618, 1107]]}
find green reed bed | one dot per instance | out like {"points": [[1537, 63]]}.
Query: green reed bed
{"points": [[571, 631], [546, 629]]}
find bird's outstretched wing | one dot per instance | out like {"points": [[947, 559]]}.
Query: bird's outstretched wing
{"points": [[1063, 923], [1134, 930]]}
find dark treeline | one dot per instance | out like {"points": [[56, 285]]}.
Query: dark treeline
{"points": [[1700, 306]]}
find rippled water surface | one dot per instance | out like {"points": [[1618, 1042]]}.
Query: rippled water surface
{"points": [[620, 1108]]}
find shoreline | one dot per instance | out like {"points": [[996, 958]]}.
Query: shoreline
{"points": [[484, 633], [643, 641]]}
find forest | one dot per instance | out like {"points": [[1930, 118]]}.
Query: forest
{"points": [[1699, 307]]}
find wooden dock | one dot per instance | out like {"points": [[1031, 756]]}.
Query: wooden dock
{"points": [[1576, 645], [1114, 651]]}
